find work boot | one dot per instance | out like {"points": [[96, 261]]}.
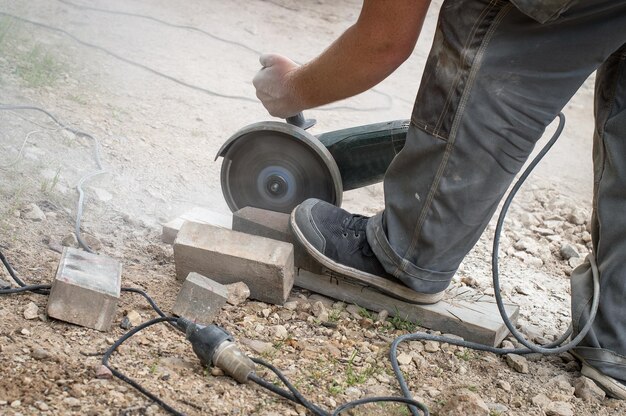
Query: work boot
{"points": [[337, 240]]}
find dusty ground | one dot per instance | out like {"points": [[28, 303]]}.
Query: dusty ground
{"points": [[158, 142]]}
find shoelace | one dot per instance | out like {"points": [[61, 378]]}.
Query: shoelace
{"points": [[358, 224]]}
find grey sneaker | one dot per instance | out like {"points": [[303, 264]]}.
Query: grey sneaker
{"points": [[337, 239], [613, 387]]}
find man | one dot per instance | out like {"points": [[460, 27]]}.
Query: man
{"points": [[498, 73]]}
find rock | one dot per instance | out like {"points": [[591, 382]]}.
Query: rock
{"points": [[4, 284], [504, 385], [16, 403], [125, 324], [31, 311], [71, 401], [25, 332], [382, 315], [280, 332], [559, 409], [469, 281], [561, 384], [541, 401], [103, 373], [216, 372], [404, 359], [575, 262], [291, 305], [465, 403], [328, 302], [260, 347], [69, 240], [431, 346], [237, 293], [587, 390], [497, 408], [517, 363], [42, 406], [318, 309], [33, 213], [102, 194], [134, 318], [40, 354], [354, 310], [577, 217], [567, 251]]}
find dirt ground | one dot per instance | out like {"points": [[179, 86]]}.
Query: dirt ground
{"points": [[158, 141]]}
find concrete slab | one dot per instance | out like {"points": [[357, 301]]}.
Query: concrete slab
{"points": [[199, 215], [86, 289], [227, 256]]}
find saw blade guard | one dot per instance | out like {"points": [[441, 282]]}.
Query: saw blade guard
{"points": [[275, 166]]}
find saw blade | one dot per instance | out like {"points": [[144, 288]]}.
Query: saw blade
{"points": [[274, 171]]}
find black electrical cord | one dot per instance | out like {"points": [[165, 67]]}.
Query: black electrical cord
{"points": [[126, 379], [388, 97], [79, 187], [416, 408]]}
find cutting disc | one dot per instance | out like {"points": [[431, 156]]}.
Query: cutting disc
{"points": [[276, 166]]}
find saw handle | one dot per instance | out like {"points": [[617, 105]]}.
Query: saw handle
{"points": [[299, 121]]}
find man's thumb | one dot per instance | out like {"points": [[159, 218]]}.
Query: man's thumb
{"points": [[268, 59]]}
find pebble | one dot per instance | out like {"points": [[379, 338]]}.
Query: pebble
{"points": [[465, 403], [42, 406], [504, 385], [237, 293], [568, 251], [559, 409], [541, 401], [517, 363], [318, 309], [355, 311], [587, 390], [16, 403], [103, 373], [134, 318], [40, 354], [216, 372], [382, 315], [280, 332], [31, 311], [431, 346], [33, 213], [69, 240], [291, 305], [404, 359], [25, 332], [71, 401], [260, 347]]}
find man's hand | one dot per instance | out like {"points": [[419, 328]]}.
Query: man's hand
{"points": [[274, 86]]}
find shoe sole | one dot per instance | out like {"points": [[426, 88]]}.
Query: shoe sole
{"points": [[349, 273], [613, 387]]}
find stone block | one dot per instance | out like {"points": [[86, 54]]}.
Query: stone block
{"points": [[200, 299], [199, 215], [86, 289], [274, 225], [227, 256]]}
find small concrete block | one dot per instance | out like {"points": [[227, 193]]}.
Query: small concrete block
{"points": [[200, 299], [86, 289], [274, 225], [226, 256], [199, 215]]}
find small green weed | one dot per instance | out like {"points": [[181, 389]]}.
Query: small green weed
{"points": [[402, 324], [39, 68], [466, 355], [47, 185], [365, 313]]}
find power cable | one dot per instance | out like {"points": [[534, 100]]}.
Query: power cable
{"points": [[79, 187], [129, 61], [416, 408], [388, 97]]}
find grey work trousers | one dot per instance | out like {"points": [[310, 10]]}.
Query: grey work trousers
{"points": [[494, 80]]}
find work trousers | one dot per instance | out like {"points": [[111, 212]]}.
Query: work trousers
{"points": [[495, 79]]}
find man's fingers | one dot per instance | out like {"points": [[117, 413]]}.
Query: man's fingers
{"points": [[267, 59]]}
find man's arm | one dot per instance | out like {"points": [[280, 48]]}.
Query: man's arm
{"points": [[370, 50]]}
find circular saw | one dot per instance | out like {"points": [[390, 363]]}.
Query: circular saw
{"points": [[275, 166]]}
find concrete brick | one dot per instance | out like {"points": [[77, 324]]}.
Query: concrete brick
{"points": [[199, 215], [226, 256], [86, 289], [274, 225], [200, 299]]}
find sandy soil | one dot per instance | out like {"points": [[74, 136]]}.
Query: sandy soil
{"points": [[159, 139]]}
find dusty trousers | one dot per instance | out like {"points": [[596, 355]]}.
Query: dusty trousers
{"points": [[495, 78]]}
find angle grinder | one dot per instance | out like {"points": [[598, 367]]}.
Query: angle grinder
{"points": [[275, 166]]}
